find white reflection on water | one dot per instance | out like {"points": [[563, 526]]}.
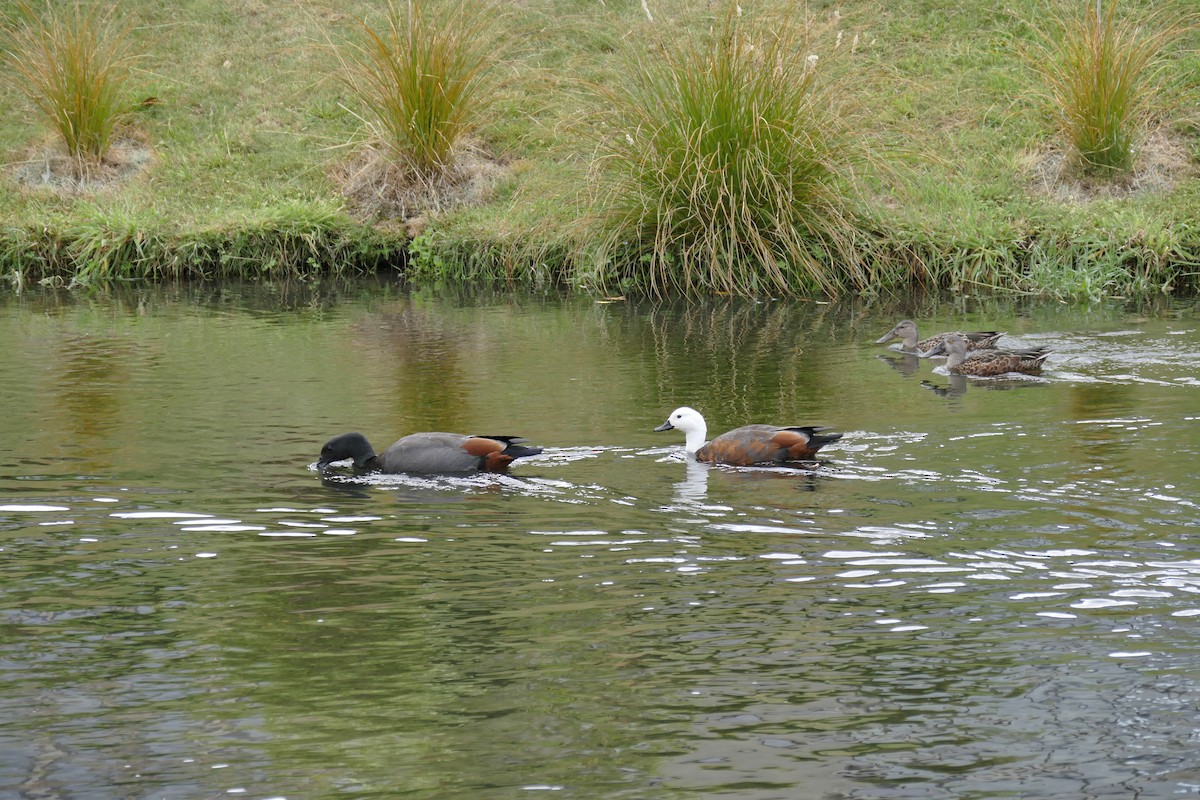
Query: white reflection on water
{"points": [[31, 508], [693, 489], [158, 515], [223, 528]]}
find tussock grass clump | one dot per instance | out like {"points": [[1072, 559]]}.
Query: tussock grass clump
{"points": [[1100, 71], [420, 81], [72, 62], [726, 160]]}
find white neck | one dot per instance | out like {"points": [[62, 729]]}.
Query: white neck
{"points": [[695, 438]]}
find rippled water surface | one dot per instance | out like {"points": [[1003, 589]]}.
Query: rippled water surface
{"points": [[989, 589]]}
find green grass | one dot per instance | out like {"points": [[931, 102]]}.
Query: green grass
{"points": [[105, 244], [419, 79], [724, 159], [1099, 68], [71, 63], [247, 123]]}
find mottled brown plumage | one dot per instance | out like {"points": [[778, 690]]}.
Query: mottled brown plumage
{"points": [[906, 332], [988, 363], [749, 444]]}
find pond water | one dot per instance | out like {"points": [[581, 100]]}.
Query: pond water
{"points": [[988, 589]]}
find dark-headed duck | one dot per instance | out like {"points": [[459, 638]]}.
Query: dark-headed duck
{"points": [[428, 452]]}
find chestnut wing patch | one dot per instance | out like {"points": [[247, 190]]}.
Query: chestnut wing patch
{"points": [[797, 444], [482, 447], [490, 453]]}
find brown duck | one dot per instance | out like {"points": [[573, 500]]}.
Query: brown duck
{"points": [[749, 444], [987, 363], [906, 332]]}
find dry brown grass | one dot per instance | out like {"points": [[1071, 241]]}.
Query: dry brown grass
{"points": [[49, 166], [1161, 161], [377, 188]]}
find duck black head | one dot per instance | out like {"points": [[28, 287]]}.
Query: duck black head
{"points": [[347, 445]]}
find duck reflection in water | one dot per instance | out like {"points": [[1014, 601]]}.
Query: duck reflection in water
{"points": [[956, 386], [907, 364], [414, 488], [693, 489]]}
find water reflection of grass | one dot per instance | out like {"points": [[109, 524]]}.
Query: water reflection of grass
{"points": [[745, 362]]}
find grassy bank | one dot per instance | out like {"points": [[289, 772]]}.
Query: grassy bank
{"points": [[955, 183]]}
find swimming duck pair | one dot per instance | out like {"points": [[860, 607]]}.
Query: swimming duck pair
{"points": [[986, 359], [437, 452]]}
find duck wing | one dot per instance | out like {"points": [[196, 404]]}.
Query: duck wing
{"points": [[765, 444]]}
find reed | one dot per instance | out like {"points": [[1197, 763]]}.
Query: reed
{"points": [[72, 62], [1099, 69], [419, 79], [725, 161]]}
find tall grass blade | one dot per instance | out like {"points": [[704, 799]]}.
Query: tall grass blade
{"points": [[1099, 70], [420, 78], [72, 62]]}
